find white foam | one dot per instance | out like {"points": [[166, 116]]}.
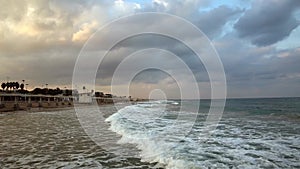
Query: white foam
{"points": [[231, 144], [157, 145]]}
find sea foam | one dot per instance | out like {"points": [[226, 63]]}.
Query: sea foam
{"points": [[237, 142]]}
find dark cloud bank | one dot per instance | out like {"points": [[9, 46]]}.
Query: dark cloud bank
{"points": [[254, 66]]}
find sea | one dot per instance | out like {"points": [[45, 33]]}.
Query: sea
{"points": [[168, 134]]}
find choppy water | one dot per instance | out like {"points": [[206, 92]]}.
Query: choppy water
{"points": [[55, 140], [253, 133]]}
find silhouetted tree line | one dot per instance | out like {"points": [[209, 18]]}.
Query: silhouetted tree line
{"points": [[15, 86], [12, 86], [46, 91]]}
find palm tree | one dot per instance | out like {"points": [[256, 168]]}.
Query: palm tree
{"points": [[58, 91], [22, 86], [8, 85], [3, 85], [13, 85], [17, 85]]}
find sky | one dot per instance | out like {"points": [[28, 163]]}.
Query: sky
{"points": [[257, 41]]}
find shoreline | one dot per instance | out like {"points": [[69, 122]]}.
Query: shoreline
{"points": [[19, 102], [40, 109], [11, 110], [14, 107], [9, 107]]}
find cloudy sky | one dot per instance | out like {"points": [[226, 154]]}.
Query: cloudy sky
{"points": [[257, 41]]}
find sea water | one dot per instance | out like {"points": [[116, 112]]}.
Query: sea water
{"points": [[253, 133], [56, 139]]}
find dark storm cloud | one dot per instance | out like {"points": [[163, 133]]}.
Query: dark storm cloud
{"points": [[40, 41], [212, 22], [40, 68], [268, 22], [259, 71], [176, 7], [256, 63], [137, 43], [50, 52], [36, 39]]}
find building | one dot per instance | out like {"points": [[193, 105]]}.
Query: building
{"points": [[85, 97]]}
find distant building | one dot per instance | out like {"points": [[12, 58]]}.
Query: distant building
{"points": [[85, 97]]}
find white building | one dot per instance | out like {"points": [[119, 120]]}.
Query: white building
{"points": [[85, 97]]}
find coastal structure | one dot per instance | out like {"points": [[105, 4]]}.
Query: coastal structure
{"points": [[17, 101], [14, 100], [85, 97]]}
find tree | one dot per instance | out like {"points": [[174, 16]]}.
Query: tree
{"points": [[3, 85], [37, 91], [8, 85], [13, 85], [58, 91], [22, 86], [17, 85]]}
